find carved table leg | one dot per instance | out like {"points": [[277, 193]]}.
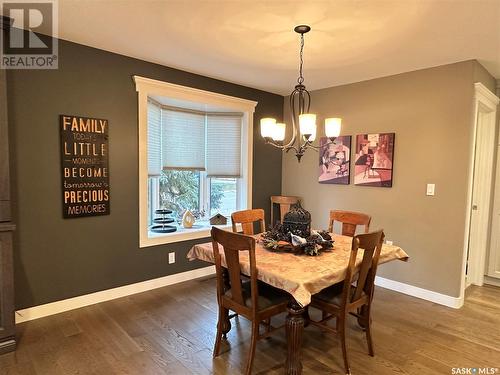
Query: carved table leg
{"points": [[307, 318], [294, 332]]}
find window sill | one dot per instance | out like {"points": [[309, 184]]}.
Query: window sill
{"points": [[200, 230]]}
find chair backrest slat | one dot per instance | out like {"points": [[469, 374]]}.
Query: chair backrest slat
{"points": [[233, 266], [284, 202], [233, 244], [247, 218], [350, 220], [371, 243]]}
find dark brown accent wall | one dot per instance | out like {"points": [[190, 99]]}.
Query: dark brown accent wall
{"points": [[56, 258]]}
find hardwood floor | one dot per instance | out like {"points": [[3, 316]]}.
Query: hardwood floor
{"points": [[171, 331]]}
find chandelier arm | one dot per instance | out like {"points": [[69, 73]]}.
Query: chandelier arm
{"points": [[304, 144], [294, 129], [308, 100], [307, 145], [300, 96], [277, 145], [310, 145]]}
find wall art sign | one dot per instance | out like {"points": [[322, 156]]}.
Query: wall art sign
{"points": [[334, 160], [85, 166], [374, 159]]}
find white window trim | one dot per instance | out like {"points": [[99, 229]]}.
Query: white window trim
{"points": [[147, 87]]}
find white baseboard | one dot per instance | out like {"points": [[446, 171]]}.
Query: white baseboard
{"points": [[491, 281], [57, 307], [414, 291]]}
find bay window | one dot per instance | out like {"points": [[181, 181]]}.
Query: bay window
{"points": [[194, 161], [195, 154]]}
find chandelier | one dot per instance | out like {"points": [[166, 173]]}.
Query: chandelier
{"points": [[300, 102]]}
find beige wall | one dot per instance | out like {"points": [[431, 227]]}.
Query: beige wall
{"points": [[430, 111]]}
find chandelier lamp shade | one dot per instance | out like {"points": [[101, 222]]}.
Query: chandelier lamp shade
{"points": [[304, 126]]}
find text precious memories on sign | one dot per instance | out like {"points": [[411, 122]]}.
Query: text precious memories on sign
{"points": [[85, 166]]}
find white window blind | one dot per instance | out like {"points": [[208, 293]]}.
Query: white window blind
{"points": [[154, 140], [183, 140], [223, 146]]}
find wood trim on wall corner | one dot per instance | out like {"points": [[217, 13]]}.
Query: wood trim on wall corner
{"points": [[172, 90], [484, 95]]}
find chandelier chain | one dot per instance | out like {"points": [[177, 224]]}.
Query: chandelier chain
{"points": [[300, 80]]}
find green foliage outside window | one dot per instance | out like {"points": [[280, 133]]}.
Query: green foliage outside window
{"points": [[180, 190]]}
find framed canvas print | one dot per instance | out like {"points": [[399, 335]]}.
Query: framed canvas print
{"points": [[374, 159], [334, 160]]}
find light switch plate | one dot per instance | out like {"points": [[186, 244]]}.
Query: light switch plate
{"points": [[430, 189]]}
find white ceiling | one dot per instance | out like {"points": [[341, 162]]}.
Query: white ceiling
{"points": [[252, 42]]}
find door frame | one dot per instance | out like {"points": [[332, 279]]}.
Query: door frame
{"points": [[483, 141], [491, 276]]}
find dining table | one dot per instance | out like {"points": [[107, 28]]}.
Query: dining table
{"points": [[301, 276]]}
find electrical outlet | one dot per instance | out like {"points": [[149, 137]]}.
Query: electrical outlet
{"points": [[171, 258], [387, 242]]}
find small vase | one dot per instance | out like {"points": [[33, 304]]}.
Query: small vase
{"points": [[188, 219]]}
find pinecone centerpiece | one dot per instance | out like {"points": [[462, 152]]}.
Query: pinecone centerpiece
{"points": [[295, 234]]}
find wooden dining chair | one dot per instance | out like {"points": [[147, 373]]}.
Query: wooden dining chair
{"points": [[284, 202], [247, 218], [354, 296], [350, 220], [256, 302]]}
